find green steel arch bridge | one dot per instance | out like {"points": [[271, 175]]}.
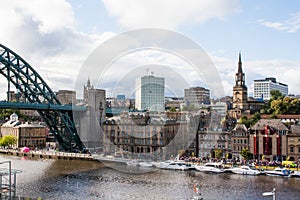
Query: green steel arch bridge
{"points": [[33, 93]]}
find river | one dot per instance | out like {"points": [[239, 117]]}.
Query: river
{"points": [[72, 180]]}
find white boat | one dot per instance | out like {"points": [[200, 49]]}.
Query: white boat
{"points": [[210, 167], [145, 164], [162, 164], [177, 166], [132, 163], [278, 172], [295, 173], [245, 170]]}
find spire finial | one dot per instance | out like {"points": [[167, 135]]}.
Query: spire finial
{"points": [[88, 82], [240, 63]]}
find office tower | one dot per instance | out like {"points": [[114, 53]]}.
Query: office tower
{"points": [[150, 91], [263, 88]]}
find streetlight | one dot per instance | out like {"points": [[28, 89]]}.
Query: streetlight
{"points": [[272, 193]]}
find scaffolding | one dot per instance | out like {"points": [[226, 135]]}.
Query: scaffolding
{"points": [[8, 181]]}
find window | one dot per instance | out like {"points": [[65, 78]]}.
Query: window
{"points": [[292, 149], [233, 140], [298, 149]]}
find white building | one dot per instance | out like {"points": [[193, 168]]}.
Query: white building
{"points": [[263, 87], [150, 92]]}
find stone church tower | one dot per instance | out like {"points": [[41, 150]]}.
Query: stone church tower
{"points": [[240, 91]]}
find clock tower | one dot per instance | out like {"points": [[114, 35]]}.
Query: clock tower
{"points": [[240, 91]]}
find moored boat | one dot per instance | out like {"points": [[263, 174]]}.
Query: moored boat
{"points": [[210, 167], [278, 172], [145, 164], [245, 170], [295, 174], [177, 166], [132, 163]]}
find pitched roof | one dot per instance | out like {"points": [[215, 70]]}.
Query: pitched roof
{"points": [[295, 129], [240, 127], [275, 123]]}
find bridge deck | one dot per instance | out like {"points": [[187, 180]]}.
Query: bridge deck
{"points": [[39, 106]]}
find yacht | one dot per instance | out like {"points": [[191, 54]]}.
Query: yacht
{"points": [[295, 173], [162, 164], [132, 163], [177, 166], [210, 167], [145, 164], [245, 170], [278, 172]]}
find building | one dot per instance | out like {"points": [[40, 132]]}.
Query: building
{"points": [[241, 104], [263, 88], [196, 96], [147, 135], [150, 93], [293, 143], [268, 138], [28, 134], [240, 140], [212, 136], [90, 122], [174, 102], [240, 91], [66, 96]]}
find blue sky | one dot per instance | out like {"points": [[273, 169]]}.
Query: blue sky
{"points": [[57, 36]]}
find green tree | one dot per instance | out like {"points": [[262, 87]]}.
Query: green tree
{"points": [[246, 154], [218, 153], [8, 140], [280, 104], [172, 109]]}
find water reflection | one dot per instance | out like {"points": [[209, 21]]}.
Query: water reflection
{"points": [[61, 179]]}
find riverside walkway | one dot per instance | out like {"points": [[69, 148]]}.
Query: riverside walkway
{"points": [[44, 154]]}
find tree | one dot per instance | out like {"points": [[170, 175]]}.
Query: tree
{"points": [[8, 140], [172, 109], [280, 104], [218, 153], [246, 154]]}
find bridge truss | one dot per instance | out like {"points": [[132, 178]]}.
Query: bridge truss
{"points": [[33, 92]]}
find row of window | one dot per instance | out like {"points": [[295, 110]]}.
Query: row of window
{"points": [[292, 149], [240, 141]]}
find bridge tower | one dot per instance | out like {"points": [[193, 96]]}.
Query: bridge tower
{"points": [[91, 121]]}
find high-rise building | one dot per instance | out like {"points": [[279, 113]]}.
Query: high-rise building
{"points": [[149, 95], [197, 95], [263, 88]]}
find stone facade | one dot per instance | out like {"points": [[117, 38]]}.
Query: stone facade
{"points": [[293, 143], [27, 134], [147, 135], [240, 140]]}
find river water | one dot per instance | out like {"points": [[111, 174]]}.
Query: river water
{"points": [[62, 179]]}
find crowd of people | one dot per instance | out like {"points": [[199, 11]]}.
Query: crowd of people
{"points": [[237, 161]]}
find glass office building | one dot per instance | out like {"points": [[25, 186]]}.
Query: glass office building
{"points": [[150, 92]]}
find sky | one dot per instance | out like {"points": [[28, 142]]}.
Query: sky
{"points": [[57, 37]]}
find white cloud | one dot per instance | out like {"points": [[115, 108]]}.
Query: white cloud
{"points": [[290, 25], [168, 13], [44, 34]]}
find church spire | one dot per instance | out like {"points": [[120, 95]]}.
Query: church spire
{"points": [[240, 70], [88, 83], [240, 76]]}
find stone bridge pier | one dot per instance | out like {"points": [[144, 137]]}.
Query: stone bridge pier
{"points": [[90, 122]]}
